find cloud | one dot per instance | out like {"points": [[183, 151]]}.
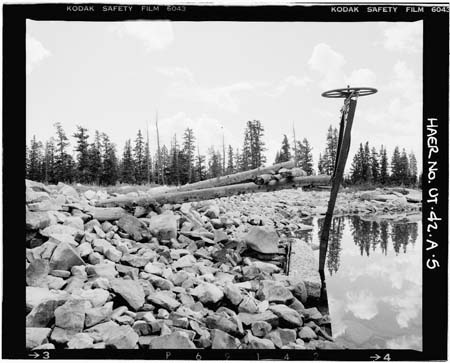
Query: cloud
{"points": [[287, 82], [329, 64], [35, 53], [362, 304], [155, 35], [207, 131], [184, 85], [362, 77], [405, 342], [407, 306], [404, 37]]}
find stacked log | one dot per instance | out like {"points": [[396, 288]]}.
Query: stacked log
{"points": [[264, 179]]}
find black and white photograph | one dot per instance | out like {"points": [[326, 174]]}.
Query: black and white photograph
{"points": [[227, 184]]}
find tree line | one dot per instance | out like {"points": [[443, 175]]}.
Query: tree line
{"points": [[97, 162], [180, 162]]}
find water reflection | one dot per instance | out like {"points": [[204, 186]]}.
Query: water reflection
{"points": [[374, 285]]}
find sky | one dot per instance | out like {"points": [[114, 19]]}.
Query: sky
{"points": [[215, 76]]}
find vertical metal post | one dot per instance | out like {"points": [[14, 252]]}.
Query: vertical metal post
{"points": [[336, 181]]}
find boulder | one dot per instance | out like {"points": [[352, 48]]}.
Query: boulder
{"points": [[207, 293], [261, 328], [35, 295], [261, 240], [185, 261], [130, 290], [164, 226], [164, 300], [267, 316], [282, 337], [98, 314], [64, 257], [176, 340], [274, 292], [97, 297], [37, 220], [71, 315], [288, 317], [134, 227], [37, 272], [222, 322], [107, 270], [123, 337], [36, 337], [58, 229], [81, 341], [222, 340], [43, 313], [306, 333], [233, 293], [258, 343]]}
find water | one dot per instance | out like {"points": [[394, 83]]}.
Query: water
{"points": [[374, 282]]}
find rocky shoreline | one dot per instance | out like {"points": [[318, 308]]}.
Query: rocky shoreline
{"points": [[193, 275]]}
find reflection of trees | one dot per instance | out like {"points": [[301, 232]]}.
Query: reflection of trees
{"points": [[361, 232], [400, 236], [413, 232], [334, 242], [384, 236]]}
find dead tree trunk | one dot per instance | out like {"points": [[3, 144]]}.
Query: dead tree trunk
{"points": [[244, 176], [217, 192]]}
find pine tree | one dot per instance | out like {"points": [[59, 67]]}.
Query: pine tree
{"points": [[230, 163], [177, 160], [62, 159], [128, 169], [200, 166], [254, 146], [165, 162], [375, 166], [320, 166], [83, 154], [188, 151], [305, 159], [110, 165], [214, 165], [95, 159], [413, 169], [138, 158], [277, 158], [285, 152], [366, 169], [34, 171], [329, 155], [404, 167], [396, 168], [49, 161], [357, 165], [238, 160], [384, 176]]}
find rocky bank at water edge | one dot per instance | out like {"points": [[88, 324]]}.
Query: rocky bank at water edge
{"points": [[193, 275]]}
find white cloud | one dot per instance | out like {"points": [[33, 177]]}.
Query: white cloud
{"points": [[362, 77], [183, 85], [329, 64], [35, 53], [404, 37], [287, 82], [362, 304], [207, 130], [155, 35], [408, 306]]}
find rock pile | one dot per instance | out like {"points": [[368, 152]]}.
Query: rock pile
{"points": [[200, 275]]}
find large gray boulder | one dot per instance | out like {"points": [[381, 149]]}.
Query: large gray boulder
{"points": [[262, 240]]}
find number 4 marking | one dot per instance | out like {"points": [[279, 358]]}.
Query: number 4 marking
{"points": [[387, 357]]}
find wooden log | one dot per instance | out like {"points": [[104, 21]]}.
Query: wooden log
{"points": [[263, 179], [218, 192], [107, 214], [241, 177]]}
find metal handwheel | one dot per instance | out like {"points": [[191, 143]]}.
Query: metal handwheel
{"points": [[346, 92]]}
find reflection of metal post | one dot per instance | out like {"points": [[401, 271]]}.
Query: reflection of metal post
{"points": [[348, 114]]}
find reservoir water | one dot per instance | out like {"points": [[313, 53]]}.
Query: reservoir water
{"points": [[373, 281]]}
